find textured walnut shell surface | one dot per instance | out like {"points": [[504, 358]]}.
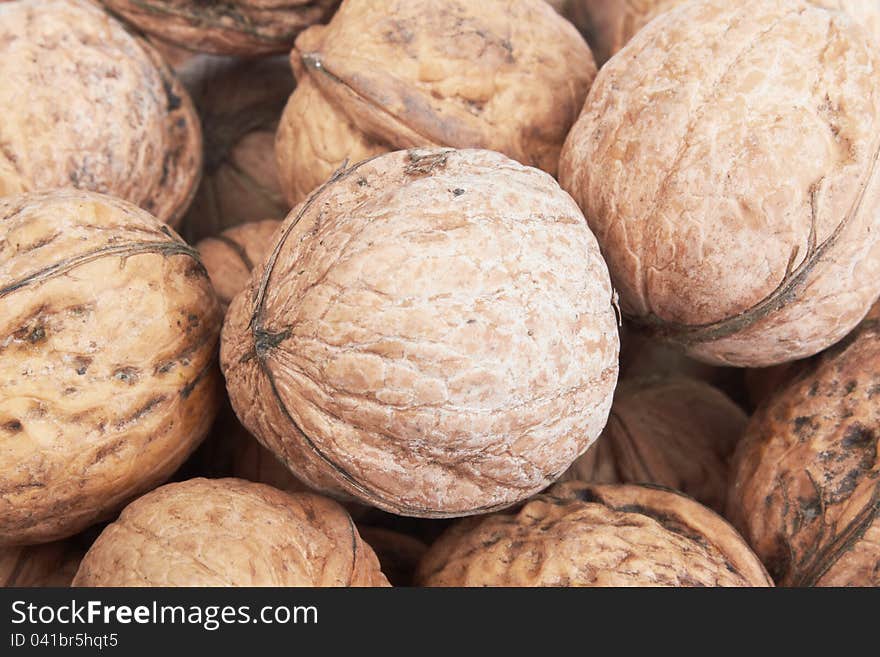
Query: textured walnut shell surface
{"points": [[230, 257], [87, 105], [108, 332], [381, 76], [230, 532], [50, 564], [595, 535], [719, 243], [232, 27], [398, 554], [674, 432], [239, 103], [433, 334], [806, 477]]}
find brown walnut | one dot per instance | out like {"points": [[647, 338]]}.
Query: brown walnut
{"points": [[50, 564]]}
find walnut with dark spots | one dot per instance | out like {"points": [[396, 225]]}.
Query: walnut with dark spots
{"points": [[806, 477], [230, 532], [583, 534], [89, 416]]}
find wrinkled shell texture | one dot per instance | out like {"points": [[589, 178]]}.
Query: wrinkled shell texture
{"points": [[506, 76], [675, 432], [51, 564], [433, 334], [229, 532], [239, 102], [108, 331], [231, 27], [594, 535], [87, 105], [230, 257], [720, 243], [806, 478]]}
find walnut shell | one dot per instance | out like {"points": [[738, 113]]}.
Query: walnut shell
{"points": [[231, 27], [674, 432], [230, 256], [108, 332], [381, 76], [85, 104], [595, 535], [682, 161], [230, 532], [806, 477], [433, 334], [239, 103], [50, 564], [398, 554]]}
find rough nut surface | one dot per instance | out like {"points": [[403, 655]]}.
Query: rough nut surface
{"points": [[806, 477], [239, 102], [229, 532], [674, 432], [231, 27], [506, 76], [682, 162], [595, 535], [230, 257], [51, 564], [87, 105], [108, 332], [433, 334]]}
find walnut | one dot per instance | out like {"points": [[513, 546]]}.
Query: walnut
{"points": [[399, 554], [231, 27], [239, 102], [50, 564], [231, 256], [230, 532], [674, 432], [433, 334], [806, 477], [85, 104], [108, 332], [719, 243], [595, 535], [507, 76]]}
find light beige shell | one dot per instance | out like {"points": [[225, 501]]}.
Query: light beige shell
{"points": [[683, 163], [230, 532], [432, 334], [806, 477], [87, 105], [595, 535], [231, 27], [507, 76], [50, 564], [231, 256], [108, 337], [239, 103], [674, 432]]}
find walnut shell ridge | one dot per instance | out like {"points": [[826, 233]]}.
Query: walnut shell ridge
{"points": [[805, 487], [383, 76], [230, 532], [85, 104], [231, 27], [108, 336], [595, 535], [433, 334], [719, 243], [673, 432]]}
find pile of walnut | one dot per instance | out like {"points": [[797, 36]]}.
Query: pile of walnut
{"points": [[399, 292]]}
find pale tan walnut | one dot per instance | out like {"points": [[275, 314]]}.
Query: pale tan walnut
{"points": [[231, 256], [806, 477], [682, 163], [230, 532], [674, 432], [432, 334], [399, 554], [231, 27], [50, 564], [595, 535], [381, 76], [87, 105], [108, 372], [239, 102]]}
